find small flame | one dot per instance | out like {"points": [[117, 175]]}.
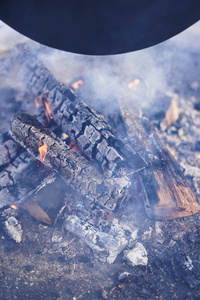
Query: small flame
{"points": [[133, 84], [40, 101], [48, 111], [76, 84], [13, 206], [43, 151]]}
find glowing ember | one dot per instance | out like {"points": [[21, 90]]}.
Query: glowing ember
{"points": [[43, 151], [74, 147], [13, 206], [76, 84], [133, 84], [47, 112]]}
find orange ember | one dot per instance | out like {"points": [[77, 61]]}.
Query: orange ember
{"points": [[133, 84], [76, 84], [74, 147], [48, 111], [43, 151], [13, 206]]}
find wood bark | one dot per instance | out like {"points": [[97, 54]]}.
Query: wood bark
{"points": [[90, 131], [77, 171], [168, 194]]}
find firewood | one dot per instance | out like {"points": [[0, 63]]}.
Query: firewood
{"points": [[36, 211], [90, 131], [168, 194], [77, 171]]}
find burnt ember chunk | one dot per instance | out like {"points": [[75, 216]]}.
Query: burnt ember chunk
{"points": [[76, 170]]}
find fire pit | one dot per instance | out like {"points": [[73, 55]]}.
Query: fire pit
{"points": [[93, 204]]}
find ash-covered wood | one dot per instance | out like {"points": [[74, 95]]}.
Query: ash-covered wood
{"points": [[74, 168], [9, 150], [19, 177], [90, 131], [168, 194]]}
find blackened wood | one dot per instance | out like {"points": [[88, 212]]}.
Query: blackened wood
{"points": [[19, 177], [74, 168], [168, 194], [9, 183], [90, 131], [15, 171], [9, 150]]}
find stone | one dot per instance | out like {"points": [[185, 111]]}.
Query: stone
{"points": [[13, 229], [137, 255]]}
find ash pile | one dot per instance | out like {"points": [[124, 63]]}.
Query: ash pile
{"points": [[111, 184]]}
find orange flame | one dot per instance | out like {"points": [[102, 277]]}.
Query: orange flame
{"points": [[13, 206], [42, 100], [133, 84], [43, 151], [76, 84], [48, 111]]}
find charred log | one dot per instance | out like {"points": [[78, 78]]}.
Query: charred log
{"points": [[78, 172], [90, 131], [168, 194]]}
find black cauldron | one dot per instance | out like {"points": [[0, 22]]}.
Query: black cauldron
{"points": [[100, 27]]}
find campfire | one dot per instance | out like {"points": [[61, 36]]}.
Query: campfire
{"points": [[104, 173], [102, 177]]}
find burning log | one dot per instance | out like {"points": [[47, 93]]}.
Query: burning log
{"points": [[90, 131], [168, 194], [78, 172]]}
